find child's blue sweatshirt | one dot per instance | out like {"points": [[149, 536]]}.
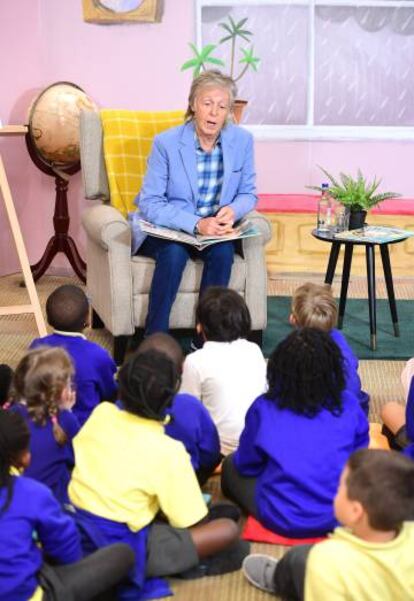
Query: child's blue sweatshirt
{"points": [[192, 425], [50, 463], [352, 379], [297, 462], [94, 370], [33, 510], [409, 421]]}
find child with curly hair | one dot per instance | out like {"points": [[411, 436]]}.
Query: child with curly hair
{"points": [[297, 438]]}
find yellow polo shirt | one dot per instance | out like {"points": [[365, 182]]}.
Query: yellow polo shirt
{"points": [[127, 469], [345, 567]]}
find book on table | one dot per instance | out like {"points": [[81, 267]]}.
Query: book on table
{"points": [[374, 234], [242, 229]]}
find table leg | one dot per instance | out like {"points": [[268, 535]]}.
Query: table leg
{"points": [[333, 259], [386, 264], [349, 249], [370, 257]]}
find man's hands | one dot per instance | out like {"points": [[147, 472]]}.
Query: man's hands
{"points": [[219, 225]]}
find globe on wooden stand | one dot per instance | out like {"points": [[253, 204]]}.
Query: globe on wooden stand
{"points": [[53, 144]]}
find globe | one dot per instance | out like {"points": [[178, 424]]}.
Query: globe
{"points": [[54, 123], [53, 144]]}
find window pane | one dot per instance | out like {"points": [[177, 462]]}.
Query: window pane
{"points": [[364, 67], [277, 93]]}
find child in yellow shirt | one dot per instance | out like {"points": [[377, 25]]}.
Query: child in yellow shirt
{"points": [[370, 558], [127, 470]]}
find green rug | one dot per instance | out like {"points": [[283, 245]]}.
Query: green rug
{"points": [[356, 328]]}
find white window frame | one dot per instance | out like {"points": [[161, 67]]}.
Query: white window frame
{"points": [[309, 131]]}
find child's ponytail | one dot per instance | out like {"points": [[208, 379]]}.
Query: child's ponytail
{"points": [[58, 432], [14, 440]]}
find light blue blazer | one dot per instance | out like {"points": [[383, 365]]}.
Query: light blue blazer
{"points": [[169, 193]]}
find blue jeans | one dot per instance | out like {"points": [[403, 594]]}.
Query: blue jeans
{"points": [[170, 260]]}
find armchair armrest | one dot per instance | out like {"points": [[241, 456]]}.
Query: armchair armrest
{"points": [[256, 273], [262, 224], [109, 273], [103, 223]]}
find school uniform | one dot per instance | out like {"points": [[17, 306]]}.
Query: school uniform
{"points": [[51, 463], [33, 515], [190, 423], [347, 567], [227, 377], [409, 422], [352, 379], [127, 470], [94, 370], [296, 462]]}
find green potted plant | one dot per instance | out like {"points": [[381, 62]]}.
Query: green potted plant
{"points": [[358, 195], [203, 59]]}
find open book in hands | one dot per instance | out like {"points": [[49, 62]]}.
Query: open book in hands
{"points": [[242, 229]]}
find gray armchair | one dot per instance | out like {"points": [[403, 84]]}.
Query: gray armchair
{"points": [[118, 284]]}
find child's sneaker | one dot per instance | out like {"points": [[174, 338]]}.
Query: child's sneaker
{"points": [[260, 571]]}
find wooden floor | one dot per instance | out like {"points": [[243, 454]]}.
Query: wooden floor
{"points": [[380, 378]]}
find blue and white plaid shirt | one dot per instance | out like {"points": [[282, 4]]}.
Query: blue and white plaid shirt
{"points": [[210, 172]]}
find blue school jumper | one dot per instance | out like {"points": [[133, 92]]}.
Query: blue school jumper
{"points": [[192, 425], [352, 379], [33, 511], [50, 463], [297, 462], [409, 421], [94, 370]]}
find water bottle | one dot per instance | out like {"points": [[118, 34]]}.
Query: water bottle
{"points": [[325, 210]]}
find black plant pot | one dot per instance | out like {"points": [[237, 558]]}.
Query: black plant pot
{"points": [[357, 219]]}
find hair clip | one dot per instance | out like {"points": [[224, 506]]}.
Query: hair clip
{"points": [[54, 419]]}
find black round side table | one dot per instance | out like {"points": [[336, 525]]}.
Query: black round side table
{"points": [[370, 261]]}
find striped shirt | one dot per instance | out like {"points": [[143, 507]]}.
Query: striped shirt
{"points": [[210, 172]]}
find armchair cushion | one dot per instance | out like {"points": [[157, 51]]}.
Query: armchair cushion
{"points": [[127, 142]]}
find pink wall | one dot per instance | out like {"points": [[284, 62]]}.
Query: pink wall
{"points": [[133, 66]]}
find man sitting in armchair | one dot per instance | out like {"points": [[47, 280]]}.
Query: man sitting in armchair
{"points": [[200, 179]]}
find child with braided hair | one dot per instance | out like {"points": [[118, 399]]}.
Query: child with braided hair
{"points": [[297, 438], [128, 470], [44, 397]]}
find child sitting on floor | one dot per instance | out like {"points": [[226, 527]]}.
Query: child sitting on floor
{"points": [[43, 396], [399, 423], [127, 470], [370, 558], [6, 378], [189, 421], [297, 438], [29, 514], [229, 372], [67, 311], [313, 306]]}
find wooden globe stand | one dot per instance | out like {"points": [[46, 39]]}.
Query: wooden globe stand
{"points": [[60, 241]]}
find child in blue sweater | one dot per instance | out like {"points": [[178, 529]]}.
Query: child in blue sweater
{"points": [[188, 421], [297, 438], [33, 525], [313, 306], [67, 311], [43, 397]]}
